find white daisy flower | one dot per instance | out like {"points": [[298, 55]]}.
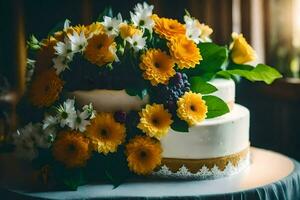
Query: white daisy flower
{"points": [[80, 122], [60, 64], [28, 139], [142, 16], [49, 122], [193, 31], [142, 20], [137, 42], [90, 109], [64, 49], [50, 127], [111, 25], [78, 42], [67, 113], [144, 8], [196, 31]]}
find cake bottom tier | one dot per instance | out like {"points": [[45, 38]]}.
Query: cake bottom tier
{"points": [[211, 168]]}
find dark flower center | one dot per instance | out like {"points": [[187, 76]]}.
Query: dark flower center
{"points": [[157, 65], [71, 148], [78, 120], [135, 43], [64, 115], [155, 121], [47, 88], [142, 23], [104, 133], [193, 108], [143, 154], [110, 28], [99, 46]]}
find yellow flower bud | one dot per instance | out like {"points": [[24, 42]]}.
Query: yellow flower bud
{"points": [[241, 51]]}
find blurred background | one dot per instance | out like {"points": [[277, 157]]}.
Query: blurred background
{"points": [[271, 26]]}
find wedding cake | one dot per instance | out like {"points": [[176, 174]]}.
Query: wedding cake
{"points": [[145, 96]]}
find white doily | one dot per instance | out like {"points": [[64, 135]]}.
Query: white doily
{"points": [[204, 172]]}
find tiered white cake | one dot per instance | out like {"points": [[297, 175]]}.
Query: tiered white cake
{"points": [[215, 147]]}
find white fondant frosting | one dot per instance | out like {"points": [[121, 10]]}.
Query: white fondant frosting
{"points": [[115, 100], [212, 138], [109, 100], [226, 89]]}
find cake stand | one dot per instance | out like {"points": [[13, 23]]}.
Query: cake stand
{"points": [[270, 176]]}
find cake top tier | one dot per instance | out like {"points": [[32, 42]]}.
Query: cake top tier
{"points": [[226, 89], [119, 100]]}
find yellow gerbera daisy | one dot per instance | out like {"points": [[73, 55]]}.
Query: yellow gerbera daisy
{"points": [[185, 52], [128, 30], [59, 35], [143, 154], [155, 121], [45, 88], [78, 29], [105, 133], [191, 108], [45, 54], [168, 28], [98, 50], [158, 66], [94, 28], [72, 149]]}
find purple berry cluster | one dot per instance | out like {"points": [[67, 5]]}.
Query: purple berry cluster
{"points": [[169, 94]]}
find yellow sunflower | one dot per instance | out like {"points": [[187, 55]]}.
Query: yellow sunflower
{"points": [[155, 121], [241, 51], [168, 28], [45, 54], [98, 50], [143, 154], [185, 52], [158, 66], [128, 30], [72, 149], [45, 88], [191, 108], [105, 133]]}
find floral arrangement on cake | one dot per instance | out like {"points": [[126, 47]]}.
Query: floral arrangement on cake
{"points": [[161, 59]]}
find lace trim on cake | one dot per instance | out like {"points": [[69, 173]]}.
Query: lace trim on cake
{"points": [[204, 173]]}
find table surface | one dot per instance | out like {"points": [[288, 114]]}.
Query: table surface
{"points": [[266, 167]]}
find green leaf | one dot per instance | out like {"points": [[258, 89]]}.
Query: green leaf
{"points": [[198, 85], [215, 106], [261, 72], [73, 179], [180, 125], [213, 58], [33, 43], [232, 65], [107, 12]]}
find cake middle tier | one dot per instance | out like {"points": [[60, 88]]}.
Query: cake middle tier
{"points": [[218, 137]]}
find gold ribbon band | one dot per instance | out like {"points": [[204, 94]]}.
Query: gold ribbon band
{"points": [[194, 165]]}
